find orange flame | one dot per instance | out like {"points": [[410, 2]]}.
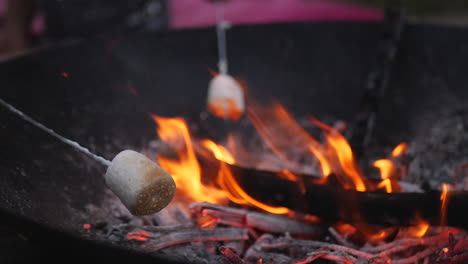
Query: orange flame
{"points": [[399, 150], [386, 170], [444, 201], [341, 149], [283, 135], [420, 229], [186, 170], [228, 183], [387, 167], [281, 132]]}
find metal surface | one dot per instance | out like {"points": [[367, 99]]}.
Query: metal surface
{"points": [[361, 130], [311, 68]]}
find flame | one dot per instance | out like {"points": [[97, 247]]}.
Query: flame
{"points": [[399, 150], [386, 170], [420, 229], [219, 152], [444, 201], [288, 140], [227, 181], [185, 170], [324, 164], [285, 137], [342, 150], [281, 132]]}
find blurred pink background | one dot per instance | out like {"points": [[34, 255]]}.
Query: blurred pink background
{"points": [[198, 13], [201, 13]]}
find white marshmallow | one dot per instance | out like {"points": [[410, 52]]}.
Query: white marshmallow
{"points": [[225, 97], [142, 186]]}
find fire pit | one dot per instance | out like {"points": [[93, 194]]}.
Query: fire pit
{"points": [[275, 187]]}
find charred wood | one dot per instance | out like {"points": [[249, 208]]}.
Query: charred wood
{"points": [[160, 240], [333, 203], [262, 221]]}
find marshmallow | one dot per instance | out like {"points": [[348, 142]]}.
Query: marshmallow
{"points": [[142, 186], [225, 97]]}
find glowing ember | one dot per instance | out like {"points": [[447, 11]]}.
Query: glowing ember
{"points": [[138, 235], [86, 226]]}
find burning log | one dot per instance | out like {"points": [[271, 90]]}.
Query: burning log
{"points": [[333, 204]]}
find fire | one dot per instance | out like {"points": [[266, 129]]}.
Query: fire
{"points": [[185, 170], [219, 152], [187, 173], [444, 201], [399, 150], [228, 183], [388, 169], [287, 140], [285, 137], [341, 149], [420, 229]]}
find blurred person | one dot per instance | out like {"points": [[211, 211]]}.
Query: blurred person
{"points": [[74, 19]]}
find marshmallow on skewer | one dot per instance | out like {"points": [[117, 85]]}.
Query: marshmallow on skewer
{"points": [[142, 186], [225, 97]]}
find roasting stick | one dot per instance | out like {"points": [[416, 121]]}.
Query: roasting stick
{"points": [[221, 27], [141, 185], [225, 96]]}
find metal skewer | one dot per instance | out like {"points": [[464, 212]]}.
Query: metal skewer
{"points": [[221, 26], [65, 140]]}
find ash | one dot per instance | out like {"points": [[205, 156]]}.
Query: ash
{"points": [[440, 154]]}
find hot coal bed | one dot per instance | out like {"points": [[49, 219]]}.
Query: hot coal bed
{"points": [[102, 93]]}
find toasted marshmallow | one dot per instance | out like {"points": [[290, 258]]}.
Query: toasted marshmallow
{"points": [[225, 97]]}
